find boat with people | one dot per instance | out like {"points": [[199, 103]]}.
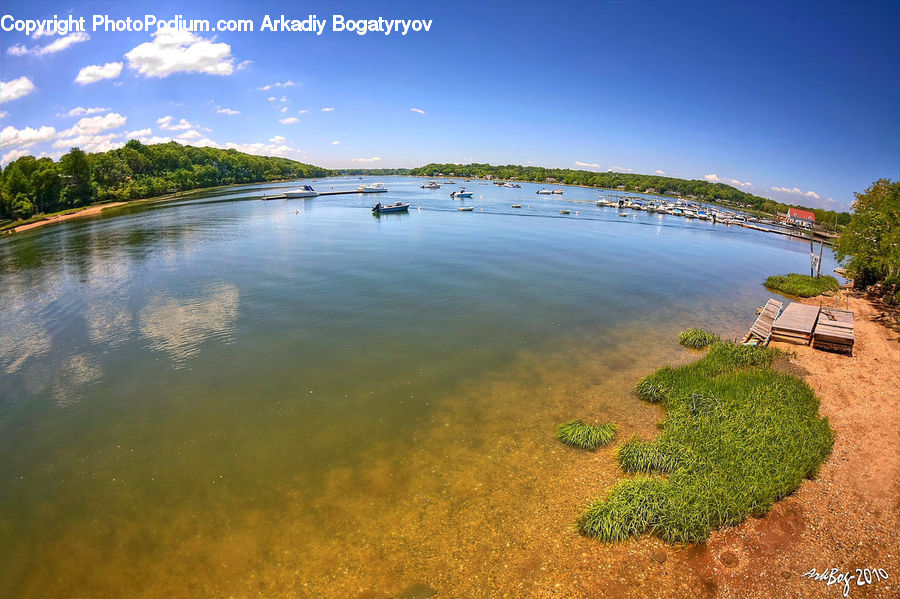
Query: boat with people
{"points": [[557, 191], [372, 188], [301, 192], [543, 191], [380, 208], [431, 185], [465, 209], [461, 193]]}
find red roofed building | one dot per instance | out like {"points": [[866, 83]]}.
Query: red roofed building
{"points": [[801, 218]]}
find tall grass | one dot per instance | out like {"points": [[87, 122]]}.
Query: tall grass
{"points": [[697, 338], [802, 285], [586, 436], [737, 437]]}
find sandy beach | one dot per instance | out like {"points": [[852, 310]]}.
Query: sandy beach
{"points": [[89, 211], [848, 517]]}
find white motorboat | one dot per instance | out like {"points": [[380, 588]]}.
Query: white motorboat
{"points": [[543, 191], [372, 188], [431, 185], [462, 193], [301, 192]]}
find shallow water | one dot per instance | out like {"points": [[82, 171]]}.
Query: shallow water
{"points": [[227, 396]]}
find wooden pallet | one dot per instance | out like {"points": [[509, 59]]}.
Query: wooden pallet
{"points": [[761, 331], [834, 331], [796, 323]]}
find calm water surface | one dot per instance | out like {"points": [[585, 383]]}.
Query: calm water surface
{"points": [[225, 396]]}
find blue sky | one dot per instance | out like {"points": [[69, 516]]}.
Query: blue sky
{"points": [[795, 101]]}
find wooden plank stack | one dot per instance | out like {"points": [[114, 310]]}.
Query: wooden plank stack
{"points": [[761, 331], [796, 323], [834, 331]]}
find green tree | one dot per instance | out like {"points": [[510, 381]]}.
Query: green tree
{"points": [[76, 170], [870, 243]]}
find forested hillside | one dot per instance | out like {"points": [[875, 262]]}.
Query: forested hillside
{"points": [[30, 185]]}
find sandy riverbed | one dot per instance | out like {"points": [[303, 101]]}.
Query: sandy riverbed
{"points": [[89, 211]]}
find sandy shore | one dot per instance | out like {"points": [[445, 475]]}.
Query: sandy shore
{"points": [[89, 211], [849, 517]]}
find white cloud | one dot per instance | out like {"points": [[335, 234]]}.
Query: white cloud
{"points": [[419, 110], [335, 143], [191, 134], [283, 109], [228, 111], [372, 159], [244, 64], [155, 139], [56, 45], [10, 136], [714, 178], [659, 172], [139, 133], [302, 111], [328, 109], [289, 120], [3, 114], [277, 139], [15, 88], [272, 98], [621, 168], [260, 149], [588, 164], [91, 143], [95, 124], [166, 123], [80, 111], [95, 72], [178, 51], [12, 155], [797, 191], [287, 83]]}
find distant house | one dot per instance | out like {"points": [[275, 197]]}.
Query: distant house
{"points": [[620, 187], [800, 218], [489, 177], [550, 180], [650, 190]]}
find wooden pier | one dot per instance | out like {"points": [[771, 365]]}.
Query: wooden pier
{"points": [[761, 331], [796, 323], [282, 196], [834, 331]]}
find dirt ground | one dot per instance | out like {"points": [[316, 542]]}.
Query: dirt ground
{"points": [[90, 211], [849, 516]]}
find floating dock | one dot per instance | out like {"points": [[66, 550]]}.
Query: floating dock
{"points": [[761, 331], [834, 331], [796, 323], [282, 196]]}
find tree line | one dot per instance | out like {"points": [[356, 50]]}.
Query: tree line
{"points": [[706, 191], [30, 186]]}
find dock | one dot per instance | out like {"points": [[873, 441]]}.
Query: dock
{"points": [[761, 331], [834, 331], [282, 196], [796, 323]]}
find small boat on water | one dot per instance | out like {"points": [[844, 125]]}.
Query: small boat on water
{"points": [[623, 214], [517, 205], [465, 209], [301, 192], [557, 191], [450, 182], [543, 191], [380, 208], [461, 193], [372, 188], [565, 212], [431, 185]]}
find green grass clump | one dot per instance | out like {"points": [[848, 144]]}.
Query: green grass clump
{"points": [[697, 338], [802, 285], [586, 436], [737, 437]]}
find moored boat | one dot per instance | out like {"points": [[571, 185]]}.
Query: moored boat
{"points": [[301, 192], [465, 209], [380, 208], [461, 193], [372, 188], [543, 191], [431, 185]]}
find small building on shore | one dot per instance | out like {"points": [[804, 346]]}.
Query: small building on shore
{"points": [[800, 218]]}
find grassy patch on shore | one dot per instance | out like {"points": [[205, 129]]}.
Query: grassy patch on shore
{"points": [[697, 338], [586, 436], [737, 437], [802, 285]]}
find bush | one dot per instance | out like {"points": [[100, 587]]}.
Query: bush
{"points": [[697, 338], [586, 436]]}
